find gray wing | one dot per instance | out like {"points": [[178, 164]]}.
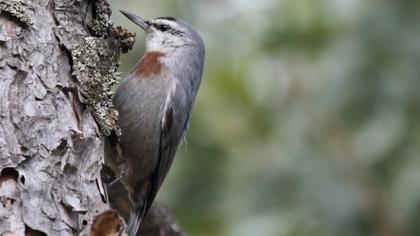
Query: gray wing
{"points": [[167, 150], [173, 125]]}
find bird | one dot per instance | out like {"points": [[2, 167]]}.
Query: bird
{"points": [[154, 102]]}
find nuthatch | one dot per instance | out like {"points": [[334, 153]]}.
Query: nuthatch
{"points": [[154, 103]]}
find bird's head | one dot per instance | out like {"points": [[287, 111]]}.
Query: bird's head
{"points": [[167, 34]]}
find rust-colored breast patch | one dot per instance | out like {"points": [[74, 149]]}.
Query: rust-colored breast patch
{"points": [[149, 64]]}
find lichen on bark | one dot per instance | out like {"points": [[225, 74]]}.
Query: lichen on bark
{"points": [[16, 9], [101, 23], [125, 38], [95, 62]]}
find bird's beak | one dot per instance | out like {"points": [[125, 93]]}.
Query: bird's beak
{"points": [[144, 24]]}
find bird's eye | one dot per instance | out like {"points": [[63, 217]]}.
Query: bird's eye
{"points": [[162, 28]]}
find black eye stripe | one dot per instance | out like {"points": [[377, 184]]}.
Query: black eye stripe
{"points": [[161, 27], [167, 28]]}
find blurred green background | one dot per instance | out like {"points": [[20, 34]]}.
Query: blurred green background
{"points": [[307, 120]]}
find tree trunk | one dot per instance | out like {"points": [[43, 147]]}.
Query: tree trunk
{"points": [[58, 60]]}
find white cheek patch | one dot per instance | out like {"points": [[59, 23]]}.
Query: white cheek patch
{"points": [[163, 42]]}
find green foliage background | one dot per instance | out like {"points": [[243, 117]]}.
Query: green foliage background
{"points": [[307, 121]]}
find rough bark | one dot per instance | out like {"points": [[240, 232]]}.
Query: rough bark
{"points": [[58, 60]]}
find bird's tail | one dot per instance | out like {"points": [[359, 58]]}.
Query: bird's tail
{"points": [[134, 221]]}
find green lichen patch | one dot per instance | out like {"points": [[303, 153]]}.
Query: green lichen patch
{"points": [[95, 62], [16, 9]]}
